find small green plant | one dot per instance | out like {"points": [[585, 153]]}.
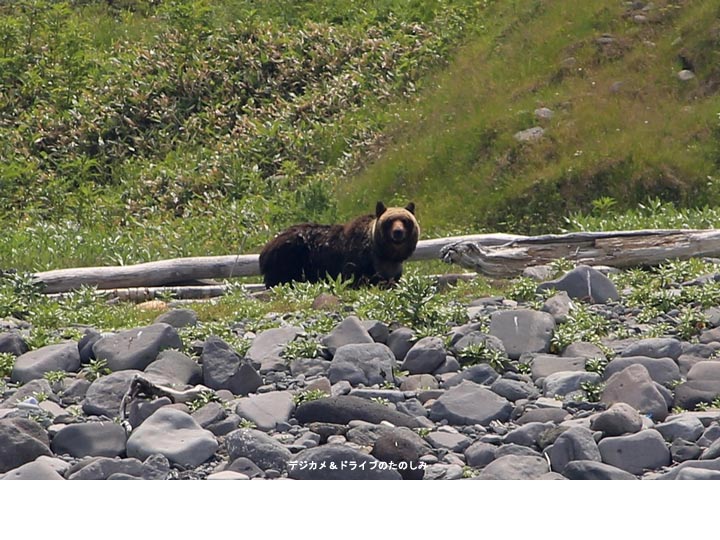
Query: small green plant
{"points": [[690, 323], [593, 391], [582, 324], [596, 365], [522, 289], [469, 472], [55, 376], [480, 353], [204, 397], [525, 368], [380, 400], [562, 266], [7, 362], [95, 369], [423, 431], [247, 424], [41, 396], [300, 348], [308, 395]]}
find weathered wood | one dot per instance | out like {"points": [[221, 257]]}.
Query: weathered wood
{"points": [[182, 270], [621, 249]]}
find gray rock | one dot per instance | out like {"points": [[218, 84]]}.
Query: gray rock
{"points": [[710, 435], [618, 419], [689, 428], [708, 465], [522, 331], [309, 367], [209, 414], [527, 434], [690, 393], [362, 364], [86, 344], [710, 336], [349, 331], [575, 444], [682, 450], [707, 370], [379, 331], [267, 347], [105, 439], [35, 470], [634, 386], [530, 134], [594, 470], [136, 348], [104, 467], [564, 383], [343, 409], [584, 283], [540, 272], [258, 447], [479, 374], [475, 337], [661, 370], [545, 414], [558, 306], [655, 348], [425, 356], [543, 365], [393, 396], [514, 390], [412, 407], [544, 113], [636, 453], [455, 442], [513, 467], [38, 386], [583, 349], [693, 473], [223, 369], [174, 368], [244, 466], [155, 467], [334, 462], [34, 364], [401, 445], [175, 435], [470, 403], [685, 75], [400, 341], [105, 394], [712, 451], [140, 409], [479, 454], [178, 318], [266, 410], [21, 441], [13, 343], [412, 383]]}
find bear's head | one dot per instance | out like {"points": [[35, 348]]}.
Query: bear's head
{"points": [[396, 231]]}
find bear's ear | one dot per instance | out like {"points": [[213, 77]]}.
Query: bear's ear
{"points": [[379, 209], [411, 208]]}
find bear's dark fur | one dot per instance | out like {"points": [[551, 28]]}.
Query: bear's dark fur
{"points": [[369, 249]]}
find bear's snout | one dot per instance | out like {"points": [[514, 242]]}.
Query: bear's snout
{"points": [[398, 233]]}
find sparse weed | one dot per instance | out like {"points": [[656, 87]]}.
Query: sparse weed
{"points": [[308, 395], [205, 397]]}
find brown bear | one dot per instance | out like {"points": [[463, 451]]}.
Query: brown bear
{"points": [[369, 249]]}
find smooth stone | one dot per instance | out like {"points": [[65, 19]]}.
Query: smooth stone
{"points": [[362, 364], [544, 414], [175, 368], [584, 283], [455, 442], [634, 386], [344, 409], [707, 370], [32, 471], [514, 467], [577, 443], [399, 445], [267, 347], [583, 349], [349, 331], [106, 439], [105, 394], [565, 383], [260, 448], [136, 349], [682, 450], [34, 364], [618, 419], [334, 462], [425, 356], [224, 369], [522, 331], [178, 318], [482, 374], [266, 410], [479, 454], [690, 393], [468, 404], [543, 365], [13, 343], [175, 435], [527, 434], [689, 428], [636, 453], [559, 306], [594, 470], [655, 348], [514, 390], [418, 382], [21, 441], [662, 370], [400, 341]]}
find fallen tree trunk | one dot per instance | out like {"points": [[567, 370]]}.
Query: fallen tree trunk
{"points": [[621, 249], [183, 270]]}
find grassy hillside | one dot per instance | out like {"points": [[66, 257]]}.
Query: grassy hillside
{"points": [[624, 128], [136, 130]]}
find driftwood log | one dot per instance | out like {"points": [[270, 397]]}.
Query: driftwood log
{"points": [[621, 249], [183, 270]]}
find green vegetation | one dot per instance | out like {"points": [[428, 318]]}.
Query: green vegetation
{"points": [[205, 397], [308, 395]]}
